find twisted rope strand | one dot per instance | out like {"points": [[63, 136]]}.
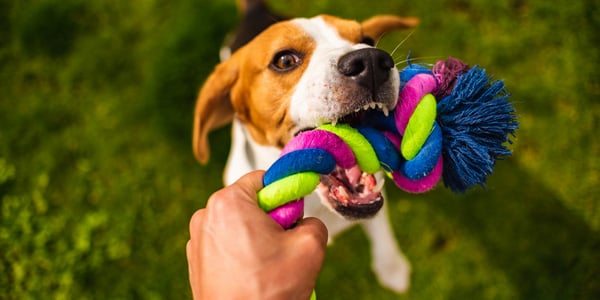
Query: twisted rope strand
{"points": [[458, 138]]}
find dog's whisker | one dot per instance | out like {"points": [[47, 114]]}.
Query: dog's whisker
{"points": [[381, 38], [410, 58], [401, 43], [421, 58]]}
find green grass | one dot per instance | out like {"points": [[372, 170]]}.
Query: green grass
{"points": [[97, 178]]}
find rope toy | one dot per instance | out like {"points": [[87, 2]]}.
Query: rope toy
{"points": [[451, 122]]}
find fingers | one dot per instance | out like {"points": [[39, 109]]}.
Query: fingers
{"points": [[192, 261], [308, 245], [189, 253], [196, 223], [314, 228]]}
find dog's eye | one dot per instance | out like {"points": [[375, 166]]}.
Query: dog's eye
{"points": [[286, 60], [367, 40]]}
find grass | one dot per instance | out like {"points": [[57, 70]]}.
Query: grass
{"points": [[97, 179]]}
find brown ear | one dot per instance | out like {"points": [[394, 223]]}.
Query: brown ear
{"points": [[213, 106], [377, 26]]}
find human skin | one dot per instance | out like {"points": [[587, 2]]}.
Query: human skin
{"points": [[236, 251]]}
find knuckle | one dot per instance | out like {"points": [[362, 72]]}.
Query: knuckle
{"points": [[221, 201], [196, 220]]}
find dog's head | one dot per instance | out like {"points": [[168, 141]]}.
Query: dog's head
{"points": [[297, 75]]}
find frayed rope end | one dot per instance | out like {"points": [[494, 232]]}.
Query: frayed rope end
{"points": [[477, 121]]}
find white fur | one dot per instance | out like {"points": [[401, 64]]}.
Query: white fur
{"points": [[312, 103]]}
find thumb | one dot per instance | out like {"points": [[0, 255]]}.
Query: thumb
{"points": [[250, 184]]}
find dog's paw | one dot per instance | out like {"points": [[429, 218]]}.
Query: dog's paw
{"points": [[393, 273]]}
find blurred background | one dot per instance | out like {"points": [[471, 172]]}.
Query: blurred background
{"points": [[98, 180]]}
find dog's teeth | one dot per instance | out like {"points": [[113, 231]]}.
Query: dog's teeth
{"points": [[385, 110], [372, 105], [366, 107], [377, 188], [380, 105], [341, 194], [334, 122]]}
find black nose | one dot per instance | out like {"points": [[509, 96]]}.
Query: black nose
{"points": [[369, 67]]}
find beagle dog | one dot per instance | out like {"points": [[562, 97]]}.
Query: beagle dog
{"points": [[296, 75]]}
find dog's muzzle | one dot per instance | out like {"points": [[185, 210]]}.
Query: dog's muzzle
{"points": [[353, 193]]}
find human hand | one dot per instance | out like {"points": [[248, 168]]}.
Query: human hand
{"points": [[236, 251]]}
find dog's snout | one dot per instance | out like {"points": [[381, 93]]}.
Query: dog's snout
{"points": [[369, 67]]}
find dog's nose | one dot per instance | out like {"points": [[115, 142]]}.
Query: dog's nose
{"points": [[369, 67]]}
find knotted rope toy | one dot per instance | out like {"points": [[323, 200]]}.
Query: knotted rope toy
{"points": [[451, 122]]}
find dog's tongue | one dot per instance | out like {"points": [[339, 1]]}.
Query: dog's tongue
{"points": [[353, 174]]}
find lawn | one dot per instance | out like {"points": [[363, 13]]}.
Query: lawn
{"points": [[98, 180]]}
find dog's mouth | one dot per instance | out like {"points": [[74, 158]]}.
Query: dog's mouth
{"points": [[352, 192], [361, 114]]}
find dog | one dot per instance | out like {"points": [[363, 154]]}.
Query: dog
{"points": [[281, 77]]}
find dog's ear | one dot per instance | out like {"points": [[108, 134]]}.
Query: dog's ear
{"points": [[213, 106], [377, 26]]}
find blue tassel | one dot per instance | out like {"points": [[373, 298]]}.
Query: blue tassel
{"points": [[476, 121]]}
